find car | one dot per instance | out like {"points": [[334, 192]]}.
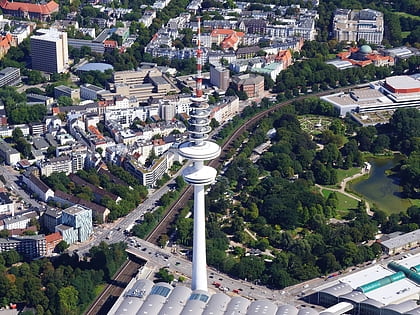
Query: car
{"points": [[235, 291]]}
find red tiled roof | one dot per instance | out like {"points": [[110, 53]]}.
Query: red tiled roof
{"points": [[225, 32], [48, 8], [53, 237]]}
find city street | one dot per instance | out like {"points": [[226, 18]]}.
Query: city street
{"points": [[13, 182]]}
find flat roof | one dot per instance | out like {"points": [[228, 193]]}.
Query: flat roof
{"points": [[367, 275], [366, 94], [96, 66], [394, 292], [403, 82]]}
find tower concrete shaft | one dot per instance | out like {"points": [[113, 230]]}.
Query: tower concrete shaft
{"points": [[198, 149]]}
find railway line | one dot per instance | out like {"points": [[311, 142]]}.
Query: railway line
{"points": [[107, 298]]}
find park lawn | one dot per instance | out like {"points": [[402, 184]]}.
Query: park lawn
{"points": [[345, 203], [405, 34], [415, 202], [407, 15], [341, 174]]}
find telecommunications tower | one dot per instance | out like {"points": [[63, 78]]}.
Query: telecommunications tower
{"points": [[198, 149]]}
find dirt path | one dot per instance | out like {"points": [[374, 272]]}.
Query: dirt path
{"points": [[343, 185]]}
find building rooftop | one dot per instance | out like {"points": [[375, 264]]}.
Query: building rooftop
{"points": [[403, 82], [95, 66], [403, 239]]}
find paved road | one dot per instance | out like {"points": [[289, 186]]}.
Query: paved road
{"points": [[179, 265], [13, 183], [343, 185]]}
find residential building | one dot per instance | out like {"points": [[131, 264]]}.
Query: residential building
{"points": [[247, 52], [76, 224], [98, 193], [27, 10], [219, 77], [37, 186], [147, 18], [148, 176], [29, 246], [6, 204], [16, 222], [9, 154], [36, 129], [226, 109], [51, 241], [251, 84], [353, 25], [56, 165], [49, 45], [10, 76]]}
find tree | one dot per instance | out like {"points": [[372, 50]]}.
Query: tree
{"points": [[68, 297], [62, 246], [64, 101], [16, 134]]}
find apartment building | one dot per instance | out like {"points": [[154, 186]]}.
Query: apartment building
{"points": [[353, 25], [219, 77], [56, 165], [37, 186], [9, 76], [30, 247], [226, 109], [9, 154], [51, 45], [6, 204], [148, 176]]}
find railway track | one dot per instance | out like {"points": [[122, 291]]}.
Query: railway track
{"points": [[107, 298]]}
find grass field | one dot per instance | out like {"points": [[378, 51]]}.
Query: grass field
{"points": [[405, 34], [414, 17], [341, 174], [344, 203]]}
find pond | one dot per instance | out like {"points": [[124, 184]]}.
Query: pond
{"points": [[381, 190]]}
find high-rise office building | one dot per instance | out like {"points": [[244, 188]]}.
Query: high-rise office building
{"points": [[49, 51], [219, 77]]}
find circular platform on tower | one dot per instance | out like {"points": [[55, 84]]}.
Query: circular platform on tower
{"points": [[208, 150]]}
